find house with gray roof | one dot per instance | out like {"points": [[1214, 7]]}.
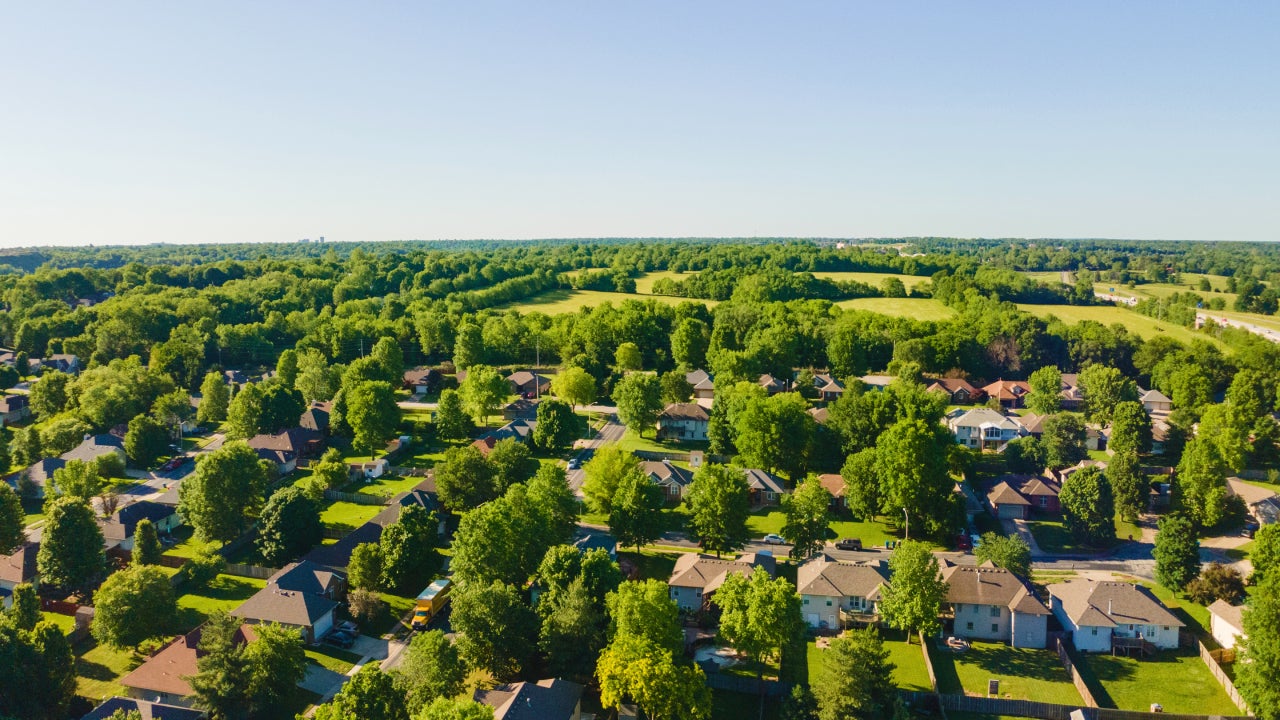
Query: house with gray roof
{"points": [[1226, 622], [311, 613], [696, 577], [1154, 401], [704, 386], [118, 530], [549, 699], [986, 429], [766, 488], [145, 709], [96, 446], [673, 479], [836, 594], [1105, 615], [14, 409], [991, 603], [34, 478]]}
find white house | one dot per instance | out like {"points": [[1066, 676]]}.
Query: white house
{"points": [[985, 428], [1100, 614], [684, 421], [1226, 622], [834, 594], [1155, 401], [991, 603]]}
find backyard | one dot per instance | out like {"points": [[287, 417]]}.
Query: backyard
{"points": [[224, 592], [343, 515], [1179, 681], [909, 672], [1024, 673], [99, 669]]}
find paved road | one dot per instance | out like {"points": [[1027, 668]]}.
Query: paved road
{"points": [[612, 432], [1204, 318]]}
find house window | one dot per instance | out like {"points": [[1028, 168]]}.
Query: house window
{"points": [[828, 603], [1044, 501], [968, 626], [699, 593], [995, 611], [805, 601], [1166, 627], [1095, 630], [995, 628]]}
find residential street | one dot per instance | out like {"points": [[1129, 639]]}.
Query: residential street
{"points": [[612, 432]]}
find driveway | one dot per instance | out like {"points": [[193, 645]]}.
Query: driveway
{"points": [[369, 647], [320, 680]]}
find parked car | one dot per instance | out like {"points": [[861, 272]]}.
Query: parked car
{"points": [[963, 543], [340, 639], [349, 628], [574, 464], [849, 544], [774, 539]]}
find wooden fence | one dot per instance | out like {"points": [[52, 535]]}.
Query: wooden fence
{"points": [[928, 664], [251, 571], [1076, 679], [747, 685], [1033, 709], [357, 498], [1218, 673]]}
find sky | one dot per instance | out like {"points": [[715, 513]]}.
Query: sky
{"points": [[141, 122]]}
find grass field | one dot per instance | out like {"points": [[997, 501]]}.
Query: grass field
{"points": [[348, 515], [1024, 673], [557, 302], [644, 283], [1144, 326], [909, 672], [1177, 680], [1050, 276], [99, 669], [872, 278], [915, 308], [224, 592]]}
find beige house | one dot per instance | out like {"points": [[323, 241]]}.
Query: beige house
{"points": [[1226, 622], [991, 603], [696, 577], [685, 422], [836, 594], [1103, 616]]}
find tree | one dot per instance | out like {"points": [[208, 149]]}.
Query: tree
{"points": [[627, 357], [25, 447], [468, 347], [912, 464], [146, 544], [316, 380], [204, 565], [633, 667], [1046, 390], [1200, 487], [557, 425], [914, 599], [287, 366], [366, 606], [1217, 582], [62, 433], [387, 353], [372, 414], [807, 519], [862, 487], [225, 493], [288, 527], [48, 395], [575, 386], [1103, 388], [635, 516], [364, 570], [558, 507], [857, 679], [1265, 555], [719, 504], [689, 342], [675, 388], [452, 421], [1025, 455], [497, 630], [731, 402], [446, 709], [482, 392], [24, 613], [772, 433], [244, 414], [464, 478], [146, 440], [760, 615], [277, 662], [1259, 663], [408, 549], [133, 605], [77, 479], [1130, 428], [605, 472], [1128, 484], [12, 520], [1177, 552], [330, 472], [507, 538], [573, 630], [221, 682], [1089, 508], [1010, 552], [215, 396], [40, 678], [172, 409], [432, 669], [281, 407], [1063, 440], [369, 695], [645, 609], [639, 400], [512, 463], [70, 554]]}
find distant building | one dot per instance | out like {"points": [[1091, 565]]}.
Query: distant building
{"points": [[1010, 393], [673, 479], [14, 409], [686, 422], [96, 446], [529, 384], [986, 429], [957, 390], [1154, 401]]}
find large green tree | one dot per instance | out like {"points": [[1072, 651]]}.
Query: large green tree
{"points": [[498, 631], [482, 392], [573, 630], [557, 425], [512, 462], [432, 669], [1010, 552], [370, 694], [145, 441], [635, 516], [372, 414], [225, 493], [912, 465], [215, 396], [289, 526], [857, 679], [146, 544], [452, 421], [465, 479], [1265, 555], [1130, 428], [1177, 552], [39, 678], [1259, 662], [1046, 390], [409, 554], [1064, 440], [807, 518], [133, 605], [1089, 507], [649, 675], [49, 394], [1200, 487], [719, 503], [914, 598], [639, 400], [222, 680], [1128, 484], [70, 554], [760, 615], [773, 433], [575, 386], [645, 609], [244, 413], [1103, 388], [507, 538], [605, 473]]}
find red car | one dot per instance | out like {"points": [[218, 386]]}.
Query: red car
{"points": [[963, 542]]}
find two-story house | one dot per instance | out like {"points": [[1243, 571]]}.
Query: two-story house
{"points": [[991, 603], [984, 428], [957, 390], [1009, 393], [836, 594], [686, 422], [1108, 616], [696, 577]]}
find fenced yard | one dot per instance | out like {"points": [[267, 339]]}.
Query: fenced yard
{"points": [[909, 672], [1178, 680], [1024, 673]]}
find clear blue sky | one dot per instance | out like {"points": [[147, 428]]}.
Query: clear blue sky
{"points": [[272, 121]]}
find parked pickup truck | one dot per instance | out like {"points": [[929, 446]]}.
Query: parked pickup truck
{"points": [[430, 602]]}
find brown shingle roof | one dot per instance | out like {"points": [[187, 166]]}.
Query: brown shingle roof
{"points": [[1002, 494], [987, 584], [833, 483], [703, 571], [20, 565], [827, 577], [684, 411], [1110, 603], [167, 670]]}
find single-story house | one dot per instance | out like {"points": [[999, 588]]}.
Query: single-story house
{"points": [[1263, 504], [835, 594], [118, 530], [766, 488], [704, 387], [834, 485], [145, 709], [94, 447], [985, 428], [772, 385], [1010, 393], [957, 390], [419, 381], [62, 362], [829, 388], [550, 699], [1226, 622], [163, 677], [309, 612], [316, 417], [14, 409], [1032, 423], [597, 541], [16, 568], [301, 442], [520, 430], [520, 409], [684, 422], [1007, 503], [1102, 615], [1071, 398], [338, 555], [529, 384], [673, 479], [305, 576], [36, 476], [1154, 401], [696, 577], [991, 603]]}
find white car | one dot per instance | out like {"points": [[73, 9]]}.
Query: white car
{"points": [[774, 539]]}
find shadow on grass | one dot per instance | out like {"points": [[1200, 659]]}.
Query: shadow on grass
{"points": [[1093, 673], [944, 670], [93, 670]]}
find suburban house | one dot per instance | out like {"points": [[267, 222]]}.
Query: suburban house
{"points": [[1071, 398], [958, 390], [550, 699], [419, 381], [704, 388], [1226, 622], [338, 555], [520, 409], [1263, 504], [17, 568], [519, 430], [1032, 423], [1008, 504], [991, 603], [828, 387], [62, 362], [766, 488], [283, 461], [772, 385], [673, 479], [1154, 401], [94, 447], [14, 409], [316, 417], [820, 414], [1095, 437], [118, 530], [235, 378], [835, 594], [696, 577], [877, 382], [311, 613], [834, 485], [305, 576], [145, 709], [36, 476], [597, 541], [163, 677], [1009, 393], [684, 422], [529, 384], [985, 428], [298, 441], [1017, 496], [1103, 616]]}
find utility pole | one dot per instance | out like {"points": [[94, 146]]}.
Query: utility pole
{"points": [[906, 534]]}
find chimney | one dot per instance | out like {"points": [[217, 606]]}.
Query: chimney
{"points": [[1109, 606]]}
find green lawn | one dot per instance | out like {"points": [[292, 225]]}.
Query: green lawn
{"points": [[65, 623], [384, 487], [651, 564], [32, 511], [1024, 673], [1052, 536], [1146, 327], [1177, 680], [1242, 552], [557, 302], [345, 515], [99, 669], [187, 545], [332, 658], [644, 283], [909, 671], [224, 592], [916, 308], [872, 533], [632, 441]]}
